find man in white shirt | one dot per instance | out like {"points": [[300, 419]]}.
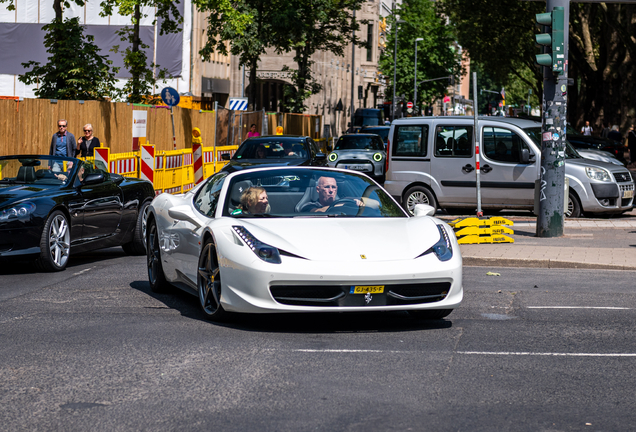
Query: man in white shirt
{"points": [[587, 129]]}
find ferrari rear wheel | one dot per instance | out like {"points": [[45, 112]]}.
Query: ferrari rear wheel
{"points": [[431, 314], [55, 243], [209, 283], [137, 246], [158, 282]]}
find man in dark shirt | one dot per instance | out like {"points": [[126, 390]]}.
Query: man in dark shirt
{"points": [[63, 142]]}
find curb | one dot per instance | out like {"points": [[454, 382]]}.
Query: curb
{"points": [[539, 263]]}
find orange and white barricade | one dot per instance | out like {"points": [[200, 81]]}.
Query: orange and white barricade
{"points": [[102, 157], [197, 164], [147, 163]]}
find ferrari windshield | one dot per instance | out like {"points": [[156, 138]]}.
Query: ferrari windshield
{"points": [[40, 170], [315, 192]]}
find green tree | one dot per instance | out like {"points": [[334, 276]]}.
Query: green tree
{"points": [[142, 75], [75, 69], [602, 52], [307, 26], [437, 56], [246, 26]]}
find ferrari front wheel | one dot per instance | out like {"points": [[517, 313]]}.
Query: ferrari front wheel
{"points": [[55, 243], [209, 283]]}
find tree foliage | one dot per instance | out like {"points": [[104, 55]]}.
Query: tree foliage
{"points": [[246, 26], [305, 27], [602, 52], [75, 70], [437, 55], [143, 76]]}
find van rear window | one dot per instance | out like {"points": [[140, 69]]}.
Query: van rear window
{"points": [[410, 141]]}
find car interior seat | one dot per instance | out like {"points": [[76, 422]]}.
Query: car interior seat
{"points": [[26, 174], [299, 149], [237, 192]]}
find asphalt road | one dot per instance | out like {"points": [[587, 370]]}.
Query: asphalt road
{"points": [[92, 348]]}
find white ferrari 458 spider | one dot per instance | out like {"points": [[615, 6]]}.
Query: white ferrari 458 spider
{"points": [[302, 239]]}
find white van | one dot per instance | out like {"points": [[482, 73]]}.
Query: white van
{"points": [[430, 160]]}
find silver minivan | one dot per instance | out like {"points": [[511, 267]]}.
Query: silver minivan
{"points": [[431, 161]]}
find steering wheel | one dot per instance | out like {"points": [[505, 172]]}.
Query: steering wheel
{"points": [[342, 202]]}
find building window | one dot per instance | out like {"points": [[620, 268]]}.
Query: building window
{"points": [[370, 42]]}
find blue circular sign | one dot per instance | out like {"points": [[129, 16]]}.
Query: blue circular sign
{"points": [[170, 96]]}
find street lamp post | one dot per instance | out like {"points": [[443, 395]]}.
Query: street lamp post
{"points": [[394, 64], [415, 77]]}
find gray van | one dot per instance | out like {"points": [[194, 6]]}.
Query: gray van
{"points": [[430, 160]]}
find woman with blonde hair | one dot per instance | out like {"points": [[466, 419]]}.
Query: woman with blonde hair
{"points": [[254, 200], [86, 144]]}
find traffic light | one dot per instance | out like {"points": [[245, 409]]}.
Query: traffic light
{"points": [[382, 33], [553, 38]]}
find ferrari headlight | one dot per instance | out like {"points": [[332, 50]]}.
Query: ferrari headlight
{"points": [[332, 157], [21, 211], [443, 248], [264, 251], [377, 157], [598, 174]]}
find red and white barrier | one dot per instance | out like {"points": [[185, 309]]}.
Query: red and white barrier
{"points": [[120, 166], [197, 153], [102, 154], [147, 167], [174, 161]]}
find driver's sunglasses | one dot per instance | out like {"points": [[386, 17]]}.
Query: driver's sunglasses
{"points": [[61, 126], [88, 130]]}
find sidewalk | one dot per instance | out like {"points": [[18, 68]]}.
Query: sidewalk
{"points": [[587, 243]]}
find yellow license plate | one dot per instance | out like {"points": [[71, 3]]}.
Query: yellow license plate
{"points": [[628, 194], [367, 289]]}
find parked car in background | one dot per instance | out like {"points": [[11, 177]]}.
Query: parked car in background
{"points": [[431, 161], [583, 142], [382, 131], [52, 206], [281, 150], [360, 152], [367, 117], [600, 155]]}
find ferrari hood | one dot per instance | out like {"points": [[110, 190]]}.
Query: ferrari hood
{"points": [[337, 239]]}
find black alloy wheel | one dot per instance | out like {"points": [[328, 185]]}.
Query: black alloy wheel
{"points": [[158, 282], [574, 207], [55, 243], [209, 283], [137, 246]]}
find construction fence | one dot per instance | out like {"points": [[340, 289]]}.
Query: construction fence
{"points": [[170, 171], [28, 124]]}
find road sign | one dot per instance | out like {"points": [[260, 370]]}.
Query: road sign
{"points": [[409, 105], [238, 103], [170, 96], [446, 99], [409, 110]]}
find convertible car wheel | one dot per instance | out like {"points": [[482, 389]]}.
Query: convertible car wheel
{"points": [[430, 314], [158, 282], [137, 246], [209, 283], [55, 243]]}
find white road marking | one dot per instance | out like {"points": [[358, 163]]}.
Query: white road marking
{"points": [[341, 351], [579, 307], [506, 353], [83, 271]]}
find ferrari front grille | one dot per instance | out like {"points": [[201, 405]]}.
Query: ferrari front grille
{"points": [[340, 295]]}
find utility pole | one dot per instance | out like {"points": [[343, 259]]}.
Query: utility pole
{"points": [[550, 220], [353, 65], [395, 23], [415, 77]]}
